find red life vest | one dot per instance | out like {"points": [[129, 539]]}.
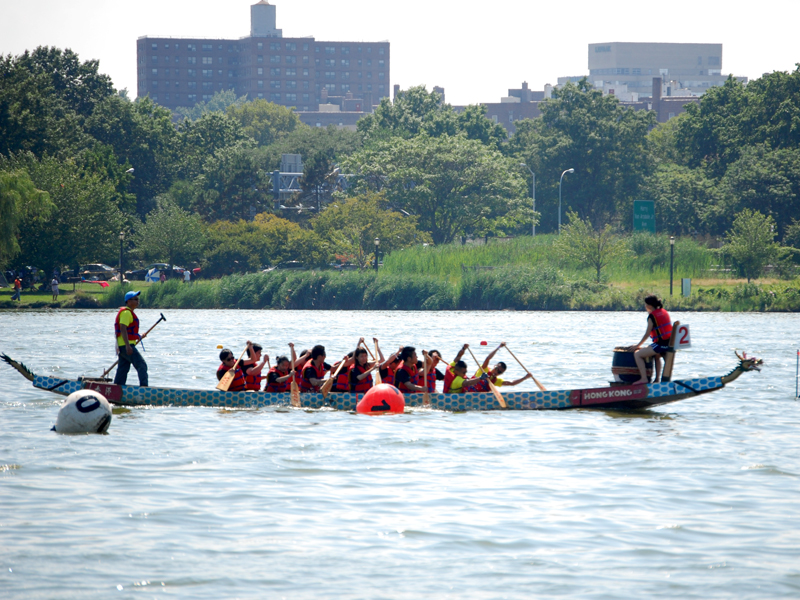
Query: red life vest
{"points": [[133, 328], [305, 384], [449, 376], [413, 375], [342, 383], [252, 382], [238, 384], [389, 377], [278, 388], [360, 386], [663, 327], [431, 380]]}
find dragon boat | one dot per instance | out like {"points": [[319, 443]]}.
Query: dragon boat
{"points": [[617, 395]]}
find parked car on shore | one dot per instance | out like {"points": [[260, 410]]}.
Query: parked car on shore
{"points": [[97, 272], [169, 270]]}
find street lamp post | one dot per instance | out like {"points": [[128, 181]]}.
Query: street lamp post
{"points": [[559, 197], [671, 260], [533, 194], [377, 243], [121, 240]]}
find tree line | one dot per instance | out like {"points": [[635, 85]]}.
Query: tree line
{"points": [[417, 171]]}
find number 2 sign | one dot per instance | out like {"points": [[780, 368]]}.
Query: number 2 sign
{"points": [[683, 340]]}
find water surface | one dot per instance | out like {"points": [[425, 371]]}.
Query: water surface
{"points": [[696, 499]]}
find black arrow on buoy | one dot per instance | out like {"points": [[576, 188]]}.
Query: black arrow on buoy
{"points": [[383, 406]]}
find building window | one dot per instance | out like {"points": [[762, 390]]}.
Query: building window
{"points": [[154, 72], [291, 46], [291, 60], [191, 47], [360, 87], [259, 71], [359, 62], [154, 46], [192, 60], [305, 85], [330, 74], [207, 47], [369, 87], [713, 61], [380, 88], [330, 50], [166, 59], [359, 74], [275, 72], [276, 85], [331, 87], [154, 84], [330, 63], [260, 84], [275, 58], [381, 63], [154, 59], [345, 62], [260, 46], [305, 72], [207, 60], [305, 60], [261, 95], [177, 59], [177, 85], [291, 85], [191, 97], [345, 49], [291, 71], [208, 73], [208, 85], [670, 115], [291, 97], [381, 75], [176, 48], [192, 85], [345, 87], [166, 72], [602, 48], [369, 74], [260, 59], [305, 98], [231, 74], [274, 45], [345, 74], [274, 97]]}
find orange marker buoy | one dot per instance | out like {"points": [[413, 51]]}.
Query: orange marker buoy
{"points": [[382, 399]]}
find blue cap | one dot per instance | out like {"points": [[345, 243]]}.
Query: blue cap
{"points": [[131, 295]]}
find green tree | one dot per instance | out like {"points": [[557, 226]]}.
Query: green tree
{"points": [[242, 246], [19, 200], [588, 247], [219, 102], [170, 234], [686, 200], [351, 226], [264, 121], [85, 222], [45, 96], [606, 144], [750, 243], [454, 185], [199, 140]]}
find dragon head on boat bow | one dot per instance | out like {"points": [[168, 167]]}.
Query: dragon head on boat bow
{"points": [[745, 364], [24, 371]]}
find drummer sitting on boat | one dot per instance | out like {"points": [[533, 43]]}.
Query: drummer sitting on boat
{"points": [[659, 329]]}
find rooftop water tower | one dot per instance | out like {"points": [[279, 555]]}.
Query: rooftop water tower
{"points": [[263, 20]]}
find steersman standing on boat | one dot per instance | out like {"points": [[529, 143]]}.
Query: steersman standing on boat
{"points": [[126, 328]]}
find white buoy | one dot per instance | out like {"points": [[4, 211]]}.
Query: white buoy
{"points": [[84, 411]]}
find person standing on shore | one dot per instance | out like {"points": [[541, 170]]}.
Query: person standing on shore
{"points": [[126, 327], [54, 287], [17, 290]]}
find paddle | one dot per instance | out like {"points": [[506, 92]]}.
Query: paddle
{"points": [[108, 370], [378, 379], [227, 379], [326, 387], [426, 395], [294, 390], [492, 386], [536, 381]]}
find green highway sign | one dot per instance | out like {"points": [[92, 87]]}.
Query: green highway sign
{"points": [[644, 215]]}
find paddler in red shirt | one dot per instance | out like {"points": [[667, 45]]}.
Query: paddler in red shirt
{"points": [[406, 377], [312, 375]]}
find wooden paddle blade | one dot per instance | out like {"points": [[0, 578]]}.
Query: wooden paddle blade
{"points": [[295, 393], [226, 381], [498, 396], [326, 387]]}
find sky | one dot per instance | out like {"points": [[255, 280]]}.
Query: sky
{"points": [[475, 50]]}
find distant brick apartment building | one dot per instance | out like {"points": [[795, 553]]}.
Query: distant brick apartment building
{"points": [[294, 72]]}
